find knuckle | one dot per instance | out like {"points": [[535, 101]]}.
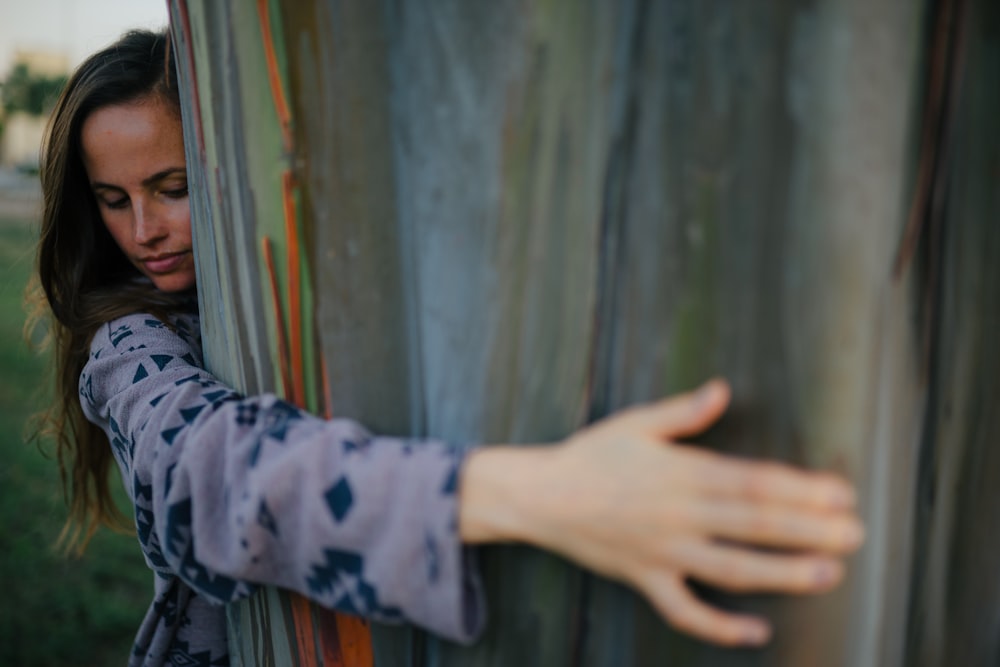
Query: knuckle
{"points": [[762, 524], [754, 483], [763, 479], [738, 573]]}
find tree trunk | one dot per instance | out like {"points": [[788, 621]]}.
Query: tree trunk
{"points": [[495, 222]]}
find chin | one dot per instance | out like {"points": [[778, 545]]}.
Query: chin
{"points": [[174, 283]]}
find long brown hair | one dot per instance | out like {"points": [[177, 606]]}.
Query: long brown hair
{"points": [[83, 280]]}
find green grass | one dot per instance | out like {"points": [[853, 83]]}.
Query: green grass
{"points": [[54, 610]]}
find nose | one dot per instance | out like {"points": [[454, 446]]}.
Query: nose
{"points": [[147, 224]]}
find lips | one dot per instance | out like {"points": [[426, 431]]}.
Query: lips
{"points": [[164, 263]]}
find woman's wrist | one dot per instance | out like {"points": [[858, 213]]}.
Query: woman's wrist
{"points": [[504, 493]]}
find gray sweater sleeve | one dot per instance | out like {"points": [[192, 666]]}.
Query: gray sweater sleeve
{"points": [[231, 492]]}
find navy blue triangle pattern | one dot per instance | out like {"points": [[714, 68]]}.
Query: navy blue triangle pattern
{"points": [[140, 374], [113, 426], [218, 394], [161, 360], [170, 434], [189, 414]]}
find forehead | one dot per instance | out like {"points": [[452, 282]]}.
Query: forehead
{"points": [[124, 143]]}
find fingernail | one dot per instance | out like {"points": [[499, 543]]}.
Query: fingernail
{"points": [[756, 634], [825, 574], [854, 535], [705, 394], [844, 497]]}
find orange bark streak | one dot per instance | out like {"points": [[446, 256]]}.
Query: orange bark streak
{"points": [[273, 75]]}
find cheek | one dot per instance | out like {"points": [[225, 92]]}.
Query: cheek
{"points": [[180, 222]]}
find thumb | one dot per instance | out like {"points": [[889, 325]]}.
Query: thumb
{"points": [[684, 414]]}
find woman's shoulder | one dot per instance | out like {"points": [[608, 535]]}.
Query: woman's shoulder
{"points": [[141, 331], [127, 350]]}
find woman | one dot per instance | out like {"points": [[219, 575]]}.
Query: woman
{"points": [[230, 492]]}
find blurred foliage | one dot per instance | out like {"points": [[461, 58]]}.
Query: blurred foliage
{"points": [[31, 93], [54, 610]]}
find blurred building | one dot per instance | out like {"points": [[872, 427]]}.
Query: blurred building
{"points": [[45, 63], [23, 131]]}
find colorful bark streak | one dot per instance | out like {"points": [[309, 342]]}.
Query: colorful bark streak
{"points": [[321, 636], [283, 355], [297, 392], [243, 200], [273, 72], [305, 631], [298, 387], [944, 75], [355, 642]]}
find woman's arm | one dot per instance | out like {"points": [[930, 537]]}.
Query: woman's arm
{"points": [[232, 491], [624, 499]]}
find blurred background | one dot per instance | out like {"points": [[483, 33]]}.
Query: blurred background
{"points": [[55, 610]]}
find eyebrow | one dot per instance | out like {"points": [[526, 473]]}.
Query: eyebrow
{"points": [[158, 176]]}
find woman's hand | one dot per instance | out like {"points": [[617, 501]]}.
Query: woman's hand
{"points": [[622, 498]]}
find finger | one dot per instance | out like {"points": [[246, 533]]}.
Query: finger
{"points": [[768, 482], [780, 526], [741, 570], [682, 415], [685, 612]]}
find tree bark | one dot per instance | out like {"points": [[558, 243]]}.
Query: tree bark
{"points": [[495, 222]]}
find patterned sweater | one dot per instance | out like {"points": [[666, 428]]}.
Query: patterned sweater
{"points": [[232, 492]]}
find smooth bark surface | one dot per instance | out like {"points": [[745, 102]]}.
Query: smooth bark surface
{"points": [[503, 220]]}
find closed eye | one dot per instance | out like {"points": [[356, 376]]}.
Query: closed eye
{"points": [[177, 193], [117, 203]]}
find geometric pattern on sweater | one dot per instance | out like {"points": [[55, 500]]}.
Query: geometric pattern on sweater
{"points": [[232, 492]]}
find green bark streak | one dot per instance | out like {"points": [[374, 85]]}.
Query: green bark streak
{"points": [[696, 328]]}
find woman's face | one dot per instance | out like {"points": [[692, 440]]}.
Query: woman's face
{"points": [[134, 157]]}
